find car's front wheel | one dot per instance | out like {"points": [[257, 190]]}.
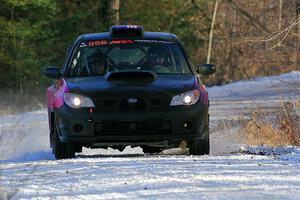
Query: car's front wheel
{"points": [[200, 146], [62, 150]]}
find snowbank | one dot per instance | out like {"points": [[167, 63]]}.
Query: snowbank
{"points": [[288, 153], [282, 86]]}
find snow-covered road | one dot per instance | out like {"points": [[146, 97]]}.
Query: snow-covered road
{"points": [[155, 177], [28, 169]]}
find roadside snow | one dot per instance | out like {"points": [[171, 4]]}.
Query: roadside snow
{"points": [[285, 86], [24, 136], [287, 153]]}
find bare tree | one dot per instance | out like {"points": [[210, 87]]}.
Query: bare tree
{"points": [[113, 11], [280, 18], [211, 33]]}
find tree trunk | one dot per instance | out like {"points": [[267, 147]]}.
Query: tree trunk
{"points": [[211, 32], [298, 28], [109, 13], [280, 15], [113, 12], [280, 18]]}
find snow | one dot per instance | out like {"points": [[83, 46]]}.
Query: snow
{"points": [[287, 153], [28, 169], [284, 86], [158, 177], [23, 135]]}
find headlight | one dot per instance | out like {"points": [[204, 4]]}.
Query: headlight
{"points": [[186, 98], [77, 101]]}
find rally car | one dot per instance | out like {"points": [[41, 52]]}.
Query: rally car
{"points": [[127, 87]]}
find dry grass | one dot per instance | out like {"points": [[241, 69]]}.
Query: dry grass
{"points": [[273, 128]]}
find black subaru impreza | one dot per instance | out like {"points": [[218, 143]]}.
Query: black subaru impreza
{"points": [[127, 87]]}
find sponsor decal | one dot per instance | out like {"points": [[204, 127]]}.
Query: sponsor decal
{"points": [[154, 41], [83, 44], [203, 95], [107, 42]]}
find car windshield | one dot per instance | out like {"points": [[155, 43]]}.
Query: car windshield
{"points": [[99, 57]]}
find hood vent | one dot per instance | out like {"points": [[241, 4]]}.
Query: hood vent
{"points": [[131, 75]]}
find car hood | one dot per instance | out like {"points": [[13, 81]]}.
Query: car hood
{"points": [[169, 85]]}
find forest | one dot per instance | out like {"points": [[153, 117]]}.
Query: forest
{"points": [[244, 39]]}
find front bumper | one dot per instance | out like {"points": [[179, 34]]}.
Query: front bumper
{"points": [[88, 126]]}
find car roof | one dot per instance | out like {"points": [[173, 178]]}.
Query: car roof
{"points": [[147, 36]]}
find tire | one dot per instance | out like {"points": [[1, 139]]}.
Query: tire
{"points": [[200, 146], [51, 135], [151, 150], [77, 148], [60, 149]]}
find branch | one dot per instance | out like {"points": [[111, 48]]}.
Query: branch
{"points": [[250, 19]]}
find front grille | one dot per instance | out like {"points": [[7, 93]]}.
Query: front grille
{"points": [[138, 105], [153, 127], [107, 104], [121, 104], [159, 103]]}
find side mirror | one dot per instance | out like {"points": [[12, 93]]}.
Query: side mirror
{"points": [[206, 69], [52, 72]]}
